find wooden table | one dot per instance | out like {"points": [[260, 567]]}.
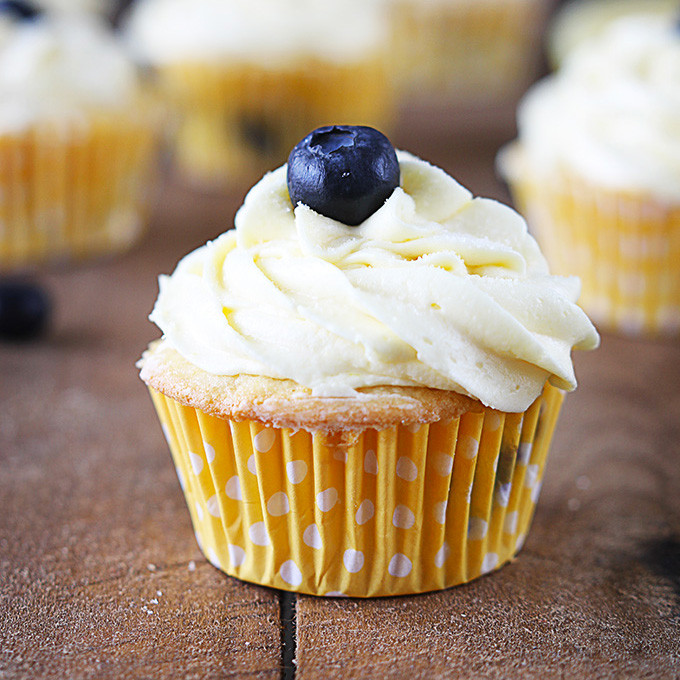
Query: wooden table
{"points": [[100, 575]]}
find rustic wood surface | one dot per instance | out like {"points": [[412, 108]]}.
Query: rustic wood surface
{"points": [[100, 575]]}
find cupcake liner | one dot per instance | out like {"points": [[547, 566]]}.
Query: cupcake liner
{"points": [[235, 122], [403, 510], [74, 190], [624, 247], [476, 51]]}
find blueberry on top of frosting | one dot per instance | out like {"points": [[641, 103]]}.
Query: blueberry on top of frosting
{"points": [[345, 172], [19, 10]]}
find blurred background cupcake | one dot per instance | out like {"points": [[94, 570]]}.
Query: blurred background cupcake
{"points": [[596, 171], [246, 79], [462, 55], [76, 138], [579, 20]]}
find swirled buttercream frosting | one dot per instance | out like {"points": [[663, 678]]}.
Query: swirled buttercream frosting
{"points": [[436, 289], [611, 114]]}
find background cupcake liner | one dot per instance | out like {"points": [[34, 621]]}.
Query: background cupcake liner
{"points": [[402, 510], [624, 247], [235, 122], [73, 190], [478, 51]]}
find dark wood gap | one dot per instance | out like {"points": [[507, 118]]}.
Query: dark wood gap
{"points": [[288, 604]]}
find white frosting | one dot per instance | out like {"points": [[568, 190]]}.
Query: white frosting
{"points": [[435, 288], [268, 32], [612, 113], [54, 67], [581, 20]]}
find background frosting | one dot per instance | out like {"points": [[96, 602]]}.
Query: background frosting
{"points": [[612, 113], [57, 65], [255, 31], [435, 288]]}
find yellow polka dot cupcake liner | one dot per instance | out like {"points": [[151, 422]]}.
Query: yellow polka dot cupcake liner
{"points": [[233, 123], [402, 510], [625, 248], [73, 191], [477, 51]]}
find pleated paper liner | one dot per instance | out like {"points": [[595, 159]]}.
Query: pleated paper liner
{"points": [[624, 247], [235, 122], [74, 190], [403, 510], [474, 52]]}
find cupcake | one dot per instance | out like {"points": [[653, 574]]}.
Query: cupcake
{"points": [[596, 171], [466, 52], [247, 79], [76, 139], [359, 383], [580, 20]]}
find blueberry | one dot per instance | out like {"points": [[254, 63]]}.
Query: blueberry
{"points": [[17, 9], [24, 311], [345, 172]]}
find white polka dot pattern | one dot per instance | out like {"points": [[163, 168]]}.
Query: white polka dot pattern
{"points": [[252, 464], [296, 471], [406, 469], [237, 555], [196, 463], [442, 555], [440, 511], [213, 506], [353, 560], [365, 512], [444, 464], [502, 496], [371, 463], [477, 528], [278, 504], [510, 523], [263, 441], [312, 537], [524, 453], [469, 447], [403, 517], [489, 562], [233, 489], [290, 573], [213, 558], [258, 534], [399, 566], [327, 499], [397, 512]]}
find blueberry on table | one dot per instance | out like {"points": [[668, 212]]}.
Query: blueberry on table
{"points": [[24, 311], [345, 172], [17, 9]]}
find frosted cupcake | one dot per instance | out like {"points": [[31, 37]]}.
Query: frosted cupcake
{"points": [[359, 383], [596, 170], [466, 51], [76, 139], [248, 78], [581, 20]]}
